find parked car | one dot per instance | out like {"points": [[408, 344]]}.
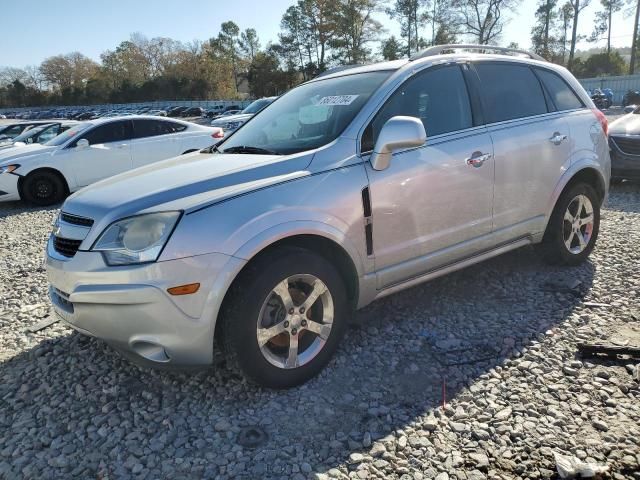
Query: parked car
{"points": [[213, 111], [230, 123], [176, 111], [12, 130], [348, 188], [624, 140], [192, 112], [632, 97], [92, 151], [38, 134]]}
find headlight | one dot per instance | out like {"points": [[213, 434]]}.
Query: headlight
{"points": [[234, 125], [136, 239], [8, 168]]}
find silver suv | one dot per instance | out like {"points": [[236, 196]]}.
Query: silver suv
{"points": [[348, 188]]}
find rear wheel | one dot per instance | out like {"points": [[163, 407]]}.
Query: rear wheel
{"points": [[43, 188], [573, 227], [285, 318]]}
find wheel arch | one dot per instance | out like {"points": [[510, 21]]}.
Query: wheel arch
{"points": [[589, 174], [327, 247], [51, 170]]}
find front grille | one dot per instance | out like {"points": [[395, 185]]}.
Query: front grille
{"points": [[628, 145], [76, 220], [66, 246]]}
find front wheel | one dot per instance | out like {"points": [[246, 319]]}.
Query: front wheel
{"points": [[285, 318], [573, 227], [43, 188]]}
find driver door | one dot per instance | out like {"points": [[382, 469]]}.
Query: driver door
{"points": [[432, 206], [108, 153]]}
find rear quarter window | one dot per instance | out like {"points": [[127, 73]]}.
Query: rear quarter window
{"points": [[562, 95], [509, 91]]}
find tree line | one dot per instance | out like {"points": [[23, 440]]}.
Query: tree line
{"points": [[314, 35]]}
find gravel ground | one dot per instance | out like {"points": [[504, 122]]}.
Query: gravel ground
{"points": [[498, 340]]}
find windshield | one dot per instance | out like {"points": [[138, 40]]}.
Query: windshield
{"points": [[29, 133], [67, 135], [258, 105], [308, 116]]}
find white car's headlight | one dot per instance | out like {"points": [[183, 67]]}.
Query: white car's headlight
{"points": [[137, 239], [8, 168]]}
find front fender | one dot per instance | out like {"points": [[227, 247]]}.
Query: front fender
{"points": [[282, 231], [327, 204]]}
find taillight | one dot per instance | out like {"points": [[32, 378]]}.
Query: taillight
{"points": [[219, 133], [602, 118]]}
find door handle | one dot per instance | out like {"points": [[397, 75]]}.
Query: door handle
{"points": [[122, 145], [557, 138], [477, 159]]}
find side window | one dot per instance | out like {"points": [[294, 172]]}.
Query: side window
{"points": [[171, 127], [437, 96], [563, 97], [48, 133], [147, 128], [109, 132], [509, 91]]}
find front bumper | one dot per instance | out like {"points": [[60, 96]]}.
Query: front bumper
{"points": [[624, 165], [9, 187], [130, 308]]}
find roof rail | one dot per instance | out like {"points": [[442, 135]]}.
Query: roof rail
{"points": [[337, 69], [440, 49]]}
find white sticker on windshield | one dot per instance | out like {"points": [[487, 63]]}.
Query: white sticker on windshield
{"points": [[338, 100]]}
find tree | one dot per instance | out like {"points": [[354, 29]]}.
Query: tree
{"points": [[319, 20], [604, 20], [634, 40], [227, 45], [355, 29], [265, 76], [249, 43], [601, 64], [391, 48], [482, 19], [412, 16], [565, 14], [577, 6], [542, 39], [68, 71], [294, 35]]}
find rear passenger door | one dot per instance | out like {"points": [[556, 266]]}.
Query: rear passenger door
{"points": [[433, 204], [531, 146], [154, 140]]}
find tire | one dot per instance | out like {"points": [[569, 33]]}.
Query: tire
{"points": [[567, 240], [43, 188], [254, 307]]}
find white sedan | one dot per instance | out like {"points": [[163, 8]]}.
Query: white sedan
{"points": [[94, 150]]}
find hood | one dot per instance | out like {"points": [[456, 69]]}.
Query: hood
{"points": [[184, 183], [9, 155], [626, 125], [231, 118]]}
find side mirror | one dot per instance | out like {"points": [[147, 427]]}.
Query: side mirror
{"points": [[82, 143], [397, 133]]}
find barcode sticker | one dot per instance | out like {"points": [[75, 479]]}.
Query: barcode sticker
{"points": [[338, 100]]}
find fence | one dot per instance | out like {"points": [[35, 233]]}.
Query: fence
{"points": [[620, 85], [134, 106]]}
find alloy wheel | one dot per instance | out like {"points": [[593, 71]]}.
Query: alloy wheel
{"points": [[295, 321], [578, 224]]}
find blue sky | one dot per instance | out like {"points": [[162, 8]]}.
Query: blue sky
{"points": [[43, 29]]}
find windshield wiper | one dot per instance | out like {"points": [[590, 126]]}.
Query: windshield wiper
{"points": [[211, 149], [249, 149]]}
